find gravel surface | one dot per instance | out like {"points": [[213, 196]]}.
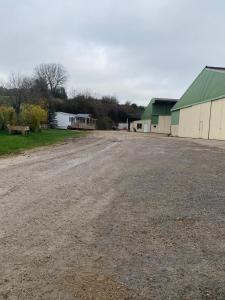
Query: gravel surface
{"points": [[114, 216]]}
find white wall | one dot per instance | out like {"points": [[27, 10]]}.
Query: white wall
{"points": [[63, 120], [163, 125], [146, 126], [194, 121], [122, 126], [174, 130], [217, 124], [206, 120]]}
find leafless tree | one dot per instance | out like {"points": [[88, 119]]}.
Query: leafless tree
{"points": [[18, 87], [55, 75]]}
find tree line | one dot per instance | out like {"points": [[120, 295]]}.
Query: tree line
{"points": [[46, 87]]}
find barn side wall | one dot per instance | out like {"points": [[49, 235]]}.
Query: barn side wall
{"points": [[217, 123], [174, 130], [163, 126], [194, 121], [205, 120]]}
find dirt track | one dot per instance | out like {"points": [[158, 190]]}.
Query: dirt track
{"points": [[113, 216]]}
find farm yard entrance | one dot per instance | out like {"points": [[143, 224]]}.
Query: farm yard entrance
{"points": [[114, 215]]}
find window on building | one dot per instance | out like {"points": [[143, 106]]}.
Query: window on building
{"points": [[139, 126]]}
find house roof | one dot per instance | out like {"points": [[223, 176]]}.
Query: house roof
{"points": [[215, 68], [209, 85], [64, 113], [75, 115], [83, 115]]}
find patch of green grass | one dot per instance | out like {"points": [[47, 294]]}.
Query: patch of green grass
{"points": [[17, 143]]}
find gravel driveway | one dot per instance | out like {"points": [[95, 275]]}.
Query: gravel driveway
{"points": [[113, 216]]}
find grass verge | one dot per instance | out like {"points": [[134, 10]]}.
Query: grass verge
{"points": [[17, 143]]}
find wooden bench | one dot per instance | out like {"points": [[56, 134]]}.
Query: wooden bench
{"points": [[21, 129]]}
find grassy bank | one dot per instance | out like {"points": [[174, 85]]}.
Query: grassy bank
{"points": [[16, 143]]}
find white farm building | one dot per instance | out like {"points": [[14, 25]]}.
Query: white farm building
{"points": [[63, 120], [74, 121]]}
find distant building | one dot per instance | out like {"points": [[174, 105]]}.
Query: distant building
{"points": [[75, 121], [156, 117], [83, 121], [63, 120], [141, 126], [132, 118], [122, 126]]}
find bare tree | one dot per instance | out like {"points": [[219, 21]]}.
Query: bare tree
{"points": [[55, 75], [19, 87]]}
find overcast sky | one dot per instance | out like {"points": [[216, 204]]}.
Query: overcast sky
{"points": [[132, 49]]}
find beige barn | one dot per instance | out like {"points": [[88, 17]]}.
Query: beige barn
{"points": [[200, 113]]}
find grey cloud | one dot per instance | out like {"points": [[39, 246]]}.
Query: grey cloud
{"points": [[133, 49]]}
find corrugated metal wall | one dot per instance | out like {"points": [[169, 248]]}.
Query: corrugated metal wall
{"points": [[163, 125], [194, 121], [205, 121], [217, 124]]}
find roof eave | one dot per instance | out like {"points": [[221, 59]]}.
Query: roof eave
{"points": [[197, 103]]}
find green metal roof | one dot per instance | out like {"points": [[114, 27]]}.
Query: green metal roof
{"points": [[158, 107], [209, 85], [175, 117]]}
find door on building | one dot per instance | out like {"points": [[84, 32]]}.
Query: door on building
{"points": [[200, 129], [217, 121], [145, 127]]}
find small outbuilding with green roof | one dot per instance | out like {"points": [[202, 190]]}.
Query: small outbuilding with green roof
{"points": [[156, 117], [200, 113]]}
